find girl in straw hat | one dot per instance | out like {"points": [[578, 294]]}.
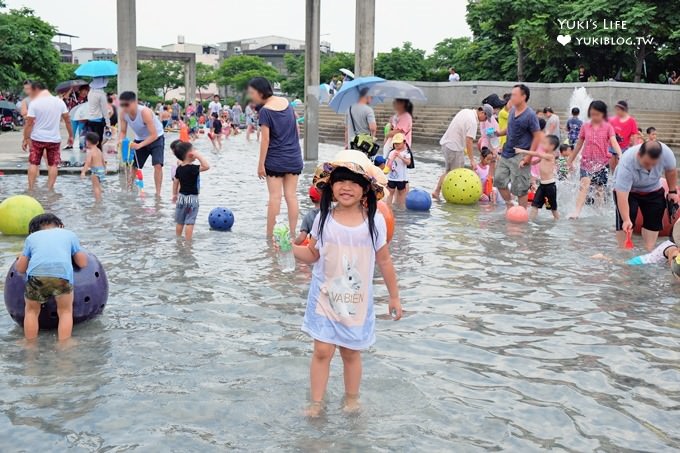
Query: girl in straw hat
{"points": [[349, 237]]}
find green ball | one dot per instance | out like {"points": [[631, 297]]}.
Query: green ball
{"points": [[16, 213], [462, 186]]}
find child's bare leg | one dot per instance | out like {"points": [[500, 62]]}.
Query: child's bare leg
{"points": [[581, 198], [65, 313], [31, 314], [318, 375], [390, 195], [533, 213], [402, 197], [189, 232], [96, 188], [556, 214], [351, 361], [178, 229]]}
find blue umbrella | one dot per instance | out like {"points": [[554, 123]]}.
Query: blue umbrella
{"points": [[349, 93], [97, 68], [396, 89]]}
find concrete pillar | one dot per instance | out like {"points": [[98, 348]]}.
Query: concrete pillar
{"points": [[127, 45], [190, 81], [364, 38], [312, 67]]}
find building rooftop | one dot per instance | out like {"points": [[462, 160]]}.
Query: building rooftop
{"points": [[262, 38], [93, 48]]}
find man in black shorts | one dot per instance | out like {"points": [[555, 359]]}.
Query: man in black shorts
{"points": [[637, 186], [149, 139]]}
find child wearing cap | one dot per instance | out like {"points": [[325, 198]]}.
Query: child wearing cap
{"points": [[348, 238], [380, 162], [397, 162], [310, 216]]}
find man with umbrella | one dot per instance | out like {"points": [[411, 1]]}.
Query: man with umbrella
{"points": [[42, 135]]}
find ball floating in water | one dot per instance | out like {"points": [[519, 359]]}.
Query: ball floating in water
{"points": [[387, 213], [418, 200], [462, 186], [221, 219], [17, 212], [517, 214], [90, 294]]}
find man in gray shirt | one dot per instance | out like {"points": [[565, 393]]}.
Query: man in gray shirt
{"points": [[637, 185], [360, 119]]}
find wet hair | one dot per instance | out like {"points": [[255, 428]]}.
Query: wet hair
{"points": [[599, 106], [554, 141], [37, 85], [541, 123], [180, 149], [525, 90], [564, 147], [262, 86], [127, 96], [92, 138], [408, 105], [40, 221], [652, 149], [651, 129], [344, 174], [575, 111], [484, 152], [548, 109]]}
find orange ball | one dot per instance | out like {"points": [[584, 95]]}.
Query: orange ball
{"points": [[517, 214], [387, 213]]}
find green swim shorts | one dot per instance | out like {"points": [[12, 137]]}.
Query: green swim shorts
{"points": [[40, 289]]}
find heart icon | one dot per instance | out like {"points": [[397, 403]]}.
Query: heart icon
{"points": [[564, 39]]}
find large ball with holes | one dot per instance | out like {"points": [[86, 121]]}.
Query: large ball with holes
{"points": [[90, 294], [17, 212], [462, 186], [418, 200], [221, 219]]}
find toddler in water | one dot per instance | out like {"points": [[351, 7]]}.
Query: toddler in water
{"points": [[397, 162], [574, 126], [546, 193], [562, 166], [47, 259], [95, 163], [483, 170], [185, 186], [349, 238], [310, 216], [651, 134]]}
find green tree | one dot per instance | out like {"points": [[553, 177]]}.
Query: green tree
{"points": [[236, 71], [26, 48], [331, 65], [405, 63], [156, 78], [66, 71], [205, 75], [294, 83], [452, 52]]}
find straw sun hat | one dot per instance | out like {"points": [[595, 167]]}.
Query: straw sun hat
{"points": [[358, 163]]}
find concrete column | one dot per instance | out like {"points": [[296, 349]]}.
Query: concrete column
{"points": [[127, 45], [190, 81], [312, 67], [364, 38]]}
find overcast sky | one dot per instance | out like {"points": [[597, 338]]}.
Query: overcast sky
{"points": [[423, 22]]}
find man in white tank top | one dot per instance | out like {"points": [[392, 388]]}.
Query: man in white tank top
{"points": [[149, 138]]}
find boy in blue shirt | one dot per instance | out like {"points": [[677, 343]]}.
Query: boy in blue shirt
{"points": [[46, 260], [574, 126]]}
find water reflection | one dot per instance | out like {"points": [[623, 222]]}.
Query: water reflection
{"points": [[513, 338]]}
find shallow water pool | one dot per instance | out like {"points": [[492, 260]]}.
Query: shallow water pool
{"points": [[513, 337]]}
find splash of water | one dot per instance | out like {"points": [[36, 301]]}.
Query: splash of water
{"points": [[581, 99]]}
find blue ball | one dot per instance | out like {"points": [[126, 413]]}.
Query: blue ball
{"points": [[418, 200], [221, 219]]}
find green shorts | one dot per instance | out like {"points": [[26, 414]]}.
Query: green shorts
{"points": [[508, 172], [40, 289]]}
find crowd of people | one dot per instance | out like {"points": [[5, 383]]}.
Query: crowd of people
{"points": [[518, 153]]}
